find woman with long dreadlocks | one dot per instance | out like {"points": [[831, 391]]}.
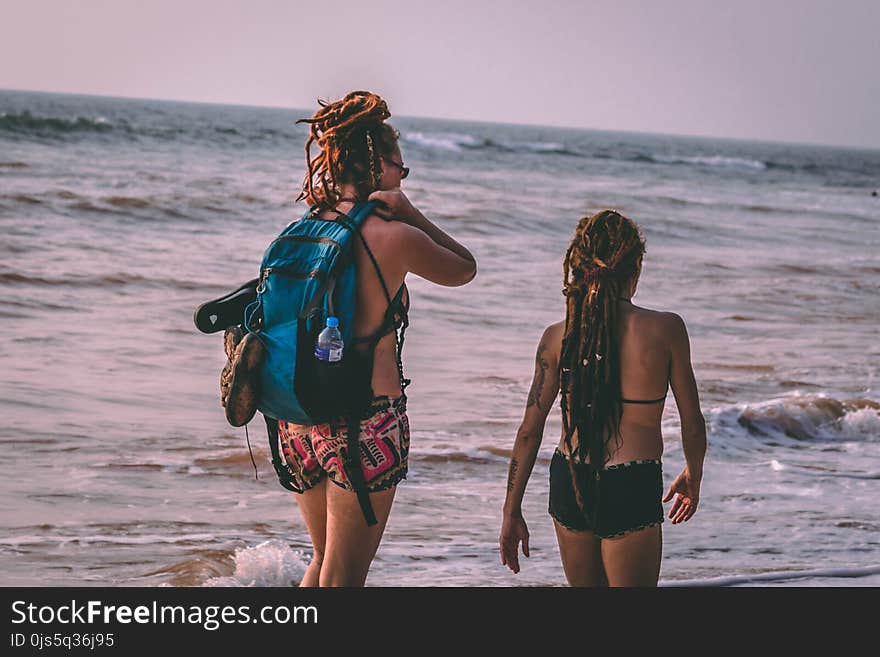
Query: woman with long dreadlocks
{"points": [[613, 362], [359, 160]]}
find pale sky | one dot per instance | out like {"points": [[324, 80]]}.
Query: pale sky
{"points": [[787, 70]]}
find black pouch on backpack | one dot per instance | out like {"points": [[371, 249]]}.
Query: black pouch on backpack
{"points": [[326, 390]]}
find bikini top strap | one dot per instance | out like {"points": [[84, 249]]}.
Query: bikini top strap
{"points": [[376, 266]]}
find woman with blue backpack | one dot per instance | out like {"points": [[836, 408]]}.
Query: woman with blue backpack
{"points": [[335, 406]]}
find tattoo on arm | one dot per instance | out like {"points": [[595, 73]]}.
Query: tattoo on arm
{"points": [[511, 475], [541, 367]]}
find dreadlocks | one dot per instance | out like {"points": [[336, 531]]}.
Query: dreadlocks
{"points": [[604, 255], [351, 134]]}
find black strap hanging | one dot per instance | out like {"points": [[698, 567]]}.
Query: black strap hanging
{"points": [[353, 468], [284, 477]]}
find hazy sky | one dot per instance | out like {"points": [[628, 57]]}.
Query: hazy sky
{"points": [[792, 70]]}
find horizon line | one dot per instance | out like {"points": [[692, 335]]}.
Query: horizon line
{"points": [[752, 140]]}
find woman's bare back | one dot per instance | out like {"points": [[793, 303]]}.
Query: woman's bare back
{"points": [[382, 237], [645, 338]]}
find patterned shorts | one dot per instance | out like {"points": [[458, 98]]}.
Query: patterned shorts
{"points": [[311, 452]]}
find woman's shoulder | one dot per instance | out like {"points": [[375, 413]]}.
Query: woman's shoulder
{"points": [[555, 330], [664, 321], [551, 338], [653, 314], [378, 230], [378, 226]]}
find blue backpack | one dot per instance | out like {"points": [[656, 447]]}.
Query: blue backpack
{"points": [[307, 274]]}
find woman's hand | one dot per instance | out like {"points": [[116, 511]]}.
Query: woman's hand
{"points": [[513, 530], [393, 204], [686, 489]]}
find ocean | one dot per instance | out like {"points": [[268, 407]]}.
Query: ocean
{"points": [[120, 216]]}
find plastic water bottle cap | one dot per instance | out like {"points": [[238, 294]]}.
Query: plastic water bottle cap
{"points": [[332, 322]]}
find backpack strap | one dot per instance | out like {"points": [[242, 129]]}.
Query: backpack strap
{"points": [[353, 423], [327, 285], [362, 210], [353, 467], [284, 477]]}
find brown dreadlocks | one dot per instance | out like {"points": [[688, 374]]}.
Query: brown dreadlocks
{"points": [[601, 262], [352, 135]]}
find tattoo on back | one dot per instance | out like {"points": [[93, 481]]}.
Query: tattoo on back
{"points": [[541, 367], [511, 475]]}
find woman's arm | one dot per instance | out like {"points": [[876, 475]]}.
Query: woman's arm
{"points": [[545, 386], [693, 425], [430, 252]]}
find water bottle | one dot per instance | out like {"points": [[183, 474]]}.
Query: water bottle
{"points": [[329, 346]]}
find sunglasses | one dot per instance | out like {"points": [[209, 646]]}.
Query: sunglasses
{"points": [[404, 170]]}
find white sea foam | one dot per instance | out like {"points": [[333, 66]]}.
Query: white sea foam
{"points": [[456, 141], [793, 419], [778, 576], [271, 563], [711, 161], [447, 141], [865, 422], [536, 147], [544, 147]]}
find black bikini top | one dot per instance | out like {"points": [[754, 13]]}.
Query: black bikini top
{"points": [[396, 316], [641, 401], [647, 401]]}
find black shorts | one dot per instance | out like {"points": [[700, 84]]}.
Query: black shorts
{"points": [[619, 499]]}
